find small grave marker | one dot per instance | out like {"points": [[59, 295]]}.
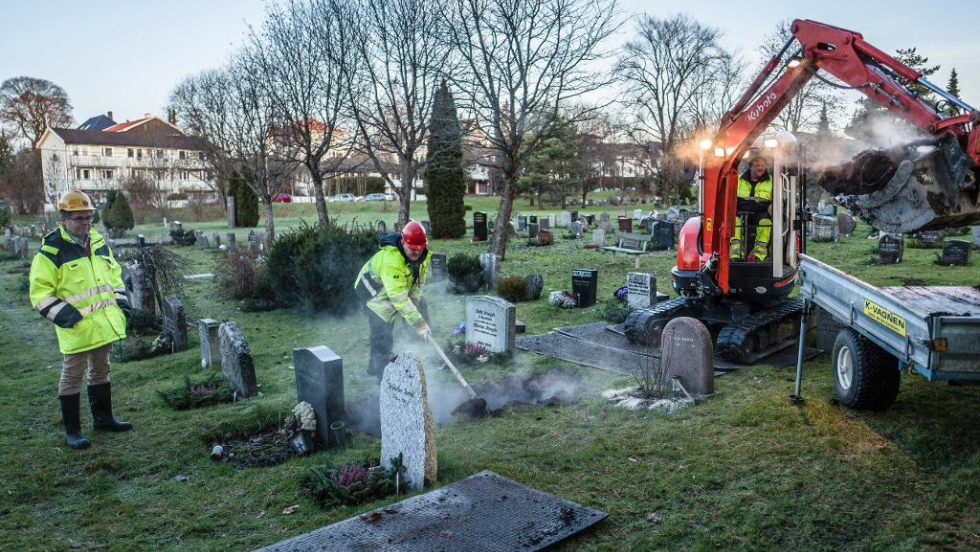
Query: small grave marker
{"points": [[207, 332], [890, 248], [236, 360], [585, 283], [479, 226], [320, 382], [956, 252], [642, 290], [175, 323]]}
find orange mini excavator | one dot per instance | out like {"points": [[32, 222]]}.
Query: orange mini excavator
{"points": [[932, 183]]}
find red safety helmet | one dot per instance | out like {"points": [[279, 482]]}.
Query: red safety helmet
{"points": [[413, 235]]}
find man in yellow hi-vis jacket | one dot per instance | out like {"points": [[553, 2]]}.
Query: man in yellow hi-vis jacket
{"points": [[391, 284], [754, 203], [76, 283]]}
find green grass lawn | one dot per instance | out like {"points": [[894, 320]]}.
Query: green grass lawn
{"points": [[745, 470]]}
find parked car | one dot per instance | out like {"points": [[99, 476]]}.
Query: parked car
{"points": [[374, 197], [390, 196], [343, 197], [283, 198]]}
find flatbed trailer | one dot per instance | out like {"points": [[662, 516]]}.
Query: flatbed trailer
{"points": [[933, 330]]}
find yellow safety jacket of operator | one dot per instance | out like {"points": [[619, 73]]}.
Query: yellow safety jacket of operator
{"points": [[763, 188], [391, 285], [80, 290]]}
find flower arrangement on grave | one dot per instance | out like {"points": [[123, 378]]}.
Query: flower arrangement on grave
{"points": [[213, 390], [563, 299], [355, 482]]}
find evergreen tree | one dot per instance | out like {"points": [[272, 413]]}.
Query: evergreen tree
{"points": [[823, 125], [122, 215], [953, 87], [106, 211], [551, 166], [444, 171], [246, 202]]}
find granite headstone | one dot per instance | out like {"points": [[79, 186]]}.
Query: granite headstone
{"points": [[490, 323], [236, 360], [407, 426], [641, 290], [175, 322], [891, 247], [320, 382], [685, 351], [207, 332], [479, 226], [956, 252], [585, 284]]}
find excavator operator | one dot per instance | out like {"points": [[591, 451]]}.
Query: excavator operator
{"points": [[753, 209]]}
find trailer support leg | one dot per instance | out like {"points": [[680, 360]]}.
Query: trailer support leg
{"points": [[797, 398]]}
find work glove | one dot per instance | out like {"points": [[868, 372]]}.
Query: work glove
{"points": [[423, 329]]}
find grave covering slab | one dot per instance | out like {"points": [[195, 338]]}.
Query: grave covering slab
{"points": [[485, 512]]}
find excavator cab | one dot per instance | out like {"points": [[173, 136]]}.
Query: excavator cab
{"points": [[763, 251]]}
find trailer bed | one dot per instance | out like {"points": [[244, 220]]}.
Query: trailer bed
{"points": [[934, 329]]}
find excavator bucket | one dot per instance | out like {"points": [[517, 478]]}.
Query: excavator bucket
{"points": [[910, 188]]}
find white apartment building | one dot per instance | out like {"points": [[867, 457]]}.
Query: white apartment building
{"points": [[96, 161]]}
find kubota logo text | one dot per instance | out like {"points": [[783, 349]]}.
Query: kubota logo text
{"points": [[762, 106]]}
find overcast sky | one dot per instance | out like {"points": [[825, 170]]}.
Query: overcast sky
{"points": [[126, 56]]}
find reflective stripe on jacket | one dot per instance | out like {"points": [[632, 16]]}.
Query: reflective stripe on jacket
{"points": [[392, 288], [763, 188], [82, 294]]}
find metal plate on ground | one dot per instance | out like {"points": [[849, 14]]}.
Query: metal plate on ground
{"points": [[485, 512], [602, 346]]}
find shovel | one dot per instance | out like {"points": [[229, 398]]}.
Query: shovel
{"points": [[475, 407]]}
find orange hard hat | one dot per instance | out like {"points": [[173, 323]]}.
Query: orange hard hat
{"points": [[413, 235], [75, 200]]}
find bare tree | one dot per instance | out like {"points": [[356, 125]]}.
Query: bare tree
{"points": [[20, 183], [301, 54], [32, 105], [257, 138], [400, 58], [520, 63], [671, 69], [204, 104], [803, 110]]}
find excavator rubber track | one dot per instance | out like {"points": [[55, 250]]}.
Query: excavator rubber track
{"points": [[643, 326], [760, 334]]}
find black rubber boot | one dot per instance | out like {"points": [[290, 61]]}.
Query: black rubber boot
{"points": [[100, 399], [73, 428]]}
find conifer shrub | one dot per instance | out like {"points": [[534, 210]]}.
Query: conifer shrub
{"points": [[5, 216], [117, 217], [511, 288], [465, 273], [315, 266], [246, 202]]}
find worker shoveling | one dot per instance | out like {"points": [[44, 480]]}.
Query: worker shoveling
{"points": [[919, 186]]}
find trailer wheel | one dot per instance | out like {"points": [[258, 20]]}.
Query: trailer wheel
{"points": [[865, 375]]}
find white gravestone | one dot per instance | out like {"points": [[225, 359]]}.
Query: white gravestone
{"points": [[599, 237], [642, 290], [491, 323], [207, 329], [407, 426]]}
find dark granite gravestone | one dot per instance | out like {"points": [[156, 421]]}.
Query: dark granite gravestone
{"points": [[533, 219], [231, 241], [427, 227], [202, 241], [546, 237], [574, 215], [521, 223], [407, 426], [437, 264], [591, 219], [545, 224], [685, 351], [380, 227], [532, 230], [490, 323], [890, 248], [217, 240], [207, 332], [230, 211], [956, 252], [479, 226], [625, 224], [642, 290], [845, 223], [535, 283], [929, 238], [175, 323], [663, 234], [320, 382], [236, 360], [585, 284]]}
